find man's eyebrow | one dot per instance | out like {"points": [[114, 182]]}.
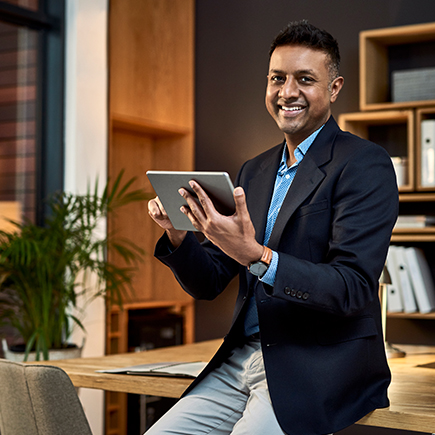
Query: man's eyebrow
{"points": [[306, 71], [276, 71], [298, 72]]}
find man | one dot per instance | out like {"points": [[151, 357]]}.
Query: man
{"points": [[309, 238]]}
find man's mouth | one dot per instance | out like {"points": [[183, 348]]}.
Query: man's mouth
{"points": [[291, 108]]}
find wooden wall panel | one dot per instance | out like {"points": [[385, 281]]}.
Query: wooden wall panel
{"points": [[151, 60], [151, 45]]}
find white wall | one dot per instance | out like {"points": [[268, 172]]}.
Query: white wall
{"points": [[86, 147]]}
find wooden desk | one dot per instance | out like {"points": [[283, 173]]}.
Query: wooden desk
{"points": [[82, 371], [412, 391]]}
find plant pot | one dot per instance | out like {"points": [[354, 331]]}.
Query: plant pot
{"points": [[72, 351]]}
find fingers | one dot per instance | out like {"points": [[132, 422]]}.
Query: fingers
{"points": [[199, 210], [158, 214], [156, 209], [204, 200]]}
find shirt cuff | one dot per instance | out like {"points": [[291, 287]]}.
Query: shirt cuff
{"points": [[269, 276]]}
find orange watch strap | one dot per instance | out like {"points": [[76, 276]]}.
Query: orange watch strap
{"points": [[267, 255]]}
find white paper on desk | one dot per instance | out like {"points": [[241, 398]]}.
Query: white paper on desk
{"points": [[176, 369]]}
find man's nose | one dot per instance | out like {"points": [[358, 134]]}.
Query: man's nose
{"points": [[289, 89]]}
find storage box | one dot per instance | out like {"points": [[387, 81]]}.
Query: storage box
{"points": [[413, 85]]}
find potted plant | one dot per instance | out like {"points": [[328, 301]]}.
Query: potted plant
{"points": [[44, 269]]}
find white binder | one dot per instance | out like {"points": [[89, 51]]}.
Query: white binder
{"points": [[428, 153], [394, 297], [421, 279], [409, 304]]}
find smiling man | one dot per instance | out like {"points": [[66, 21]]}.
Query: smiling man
{"points": [[309, 238]]}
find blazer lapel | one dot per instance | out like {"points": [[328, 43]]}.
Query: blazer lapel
{"points": [[307, 178]]}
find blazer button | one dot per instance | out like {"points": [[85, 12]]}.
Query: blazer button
{"points": [[299, 294], [287, 290], [293, 292], [305, 296]]}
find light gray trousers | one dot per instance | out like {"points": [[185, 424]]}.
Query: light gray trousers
{"points": [[233, 399]]}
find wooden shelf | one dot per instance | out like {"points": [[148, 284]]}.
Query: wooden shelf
{"points": [[398, 106], [417, 197], [412, 237], [374, 64], [425, 230], [427, 316], [146, 126]]}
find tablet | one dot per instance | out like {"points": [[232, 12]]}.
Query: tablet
{"points": [[166, 184]]}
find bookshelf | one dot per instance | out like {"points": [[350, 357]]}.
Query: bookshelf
{"points": [[380, 50], [397, 127], [151, 117], [393, 129]]}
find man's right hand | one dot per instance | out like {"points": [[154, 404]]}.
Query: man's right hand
{"points": [[160, 217]]}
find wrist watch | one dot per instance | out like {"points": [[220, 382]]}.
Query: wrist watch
{"points": [[259, 268]]}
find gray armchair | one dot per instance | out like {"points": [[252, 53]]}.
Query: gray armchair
{"points": [[39, 400]]}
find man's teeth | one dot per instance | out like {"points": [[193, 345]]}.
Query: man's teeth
{"points": [[291, 109]]}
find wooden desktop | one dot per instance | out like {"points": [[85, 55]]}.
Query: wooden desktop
{"points": [[412, 391]]}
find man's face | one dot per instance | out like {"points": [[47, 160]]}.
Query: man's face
{"points": [[299, 91]]}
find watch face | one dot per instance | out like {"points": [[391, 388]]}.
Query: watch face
{"points": [[258, 269]]}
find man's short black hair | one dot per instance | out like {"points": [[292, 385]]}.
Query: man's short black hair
{"points": [[304, 33]]}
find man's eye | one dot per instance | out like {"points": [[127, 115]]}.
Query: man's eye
{"points": [[277, 79], [306, 79]]}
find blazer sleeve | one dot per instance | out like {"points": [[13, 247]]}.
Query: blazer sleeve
{"points": [[202, 269]]}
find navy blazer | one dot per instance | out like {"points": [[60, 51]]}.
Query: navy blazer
{"points": [[320, 323]]}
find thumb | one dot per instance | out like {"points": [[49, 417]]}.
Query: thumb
{"points": [[240, 200]]}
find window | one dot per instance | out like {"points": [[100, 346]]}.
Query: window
{"points": [[31, 102]]}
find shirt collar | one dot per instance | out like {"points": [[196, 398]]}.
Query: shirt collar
{"points": [[300, 151]]}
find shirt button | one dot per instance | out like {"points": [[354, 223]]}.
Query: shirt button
{"points": [[287, 176]]}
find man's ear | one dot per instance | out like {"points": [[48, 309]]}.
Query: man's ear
{"points": [[335, 87]]}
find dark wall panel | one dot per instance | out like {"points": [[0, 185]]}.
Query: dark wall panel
{"points": [[233, 38]]}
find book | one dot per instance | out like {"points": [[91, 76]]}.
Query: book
{"points": [[170, 368], [421, 279], [398, 254], [428, 153], [414, 221], [394, 297]]}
